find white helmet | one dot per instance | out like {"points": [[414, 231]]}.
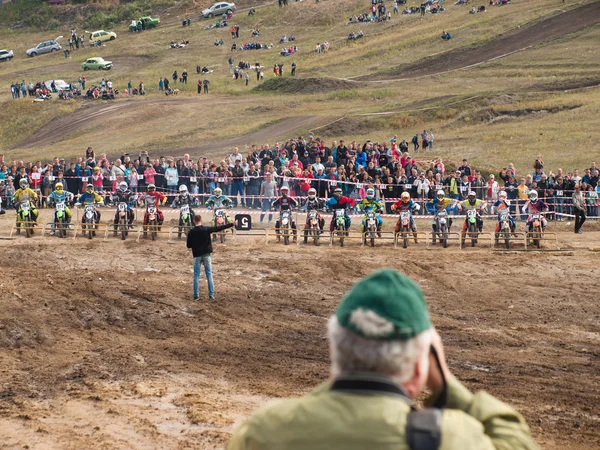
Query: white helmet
{"points": [[441, 193], [284, 188], [370, 193], [217, 192], [533, 196], [312, 193], [502, 194], [472, 195], [122, 186], [23, 183], [183, 189]]}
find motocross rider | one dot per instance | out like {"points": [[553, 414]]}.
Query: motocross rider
{"points": [[439, 203], [406, 204], [123, 195], [473, 203], [285, 203], [503, 205], [89, 197], [184, 198], [22, 194], [370, 203], [218, 200], [314, 203], [534, 206], [159, 199], [338, 201], [57, 196]]}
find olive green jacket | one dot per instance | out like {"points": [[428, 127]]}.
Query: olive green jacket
{"points": [[332, 420]]}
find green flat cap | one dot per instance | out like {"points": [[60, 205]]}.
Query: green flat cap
{"points": [[385, 305]]}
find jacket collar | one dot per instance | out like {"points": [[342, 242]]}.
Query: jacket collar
{"points": [[369, 384]]}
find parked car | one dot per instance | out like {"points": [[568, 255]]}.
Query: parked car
{"points": [[6, 55], [44, 47], [96, 64], [218, 9], [102, 36], [148, 22], [58, 85]]}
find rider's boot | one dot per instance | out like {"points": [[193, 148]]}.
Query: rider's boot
{"points": [[415, 236]]}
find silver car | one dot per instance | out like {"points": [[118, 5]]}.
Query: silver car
{"points": [[218, 9], [44, 47], [6, 55]]}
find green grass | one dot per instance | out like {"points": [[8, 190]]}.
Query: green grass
{"points": [[449, 104]]}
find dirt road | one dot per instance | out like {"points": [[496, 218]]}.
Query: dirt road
{"points": [[527, 36], [95, 112], [102, 347]]}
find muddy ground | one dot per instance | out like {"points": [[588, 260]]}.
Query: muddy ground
{"points": [[102, 347]]}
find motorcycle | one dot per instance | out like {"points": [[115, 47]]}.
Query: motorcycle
{"points": [[26, 218], [441, 222], [123, 225], [340, 225], [370, 228], [152, 222], [185, 220], [535, 230], [285, 227], [471, 227], [220, 218], [60, 219], [504, 229], [405, 227], [312, 227], [89, 221]]}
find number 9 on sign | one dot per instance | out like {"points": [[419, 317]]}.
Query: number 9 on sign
{"points": [[243, 222]]}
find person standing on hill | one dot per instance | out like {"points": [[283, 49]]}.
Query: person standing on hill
{"points": [[205, 83], [199, 85]]}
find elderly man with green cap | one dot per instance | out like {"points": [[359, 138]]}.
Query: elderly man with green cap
{"points": [[384, 352]]}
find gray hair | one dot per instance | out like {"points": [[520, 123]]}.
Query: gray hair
{"points": [[395, 359]]}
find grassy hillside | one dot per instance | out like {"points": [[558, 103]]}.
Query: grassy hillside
{"points": [[506, 110]]}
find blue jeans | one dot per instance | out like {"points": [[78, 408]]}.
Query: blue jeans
{"points": [[266, 206], [238, 188], [198, 261]]}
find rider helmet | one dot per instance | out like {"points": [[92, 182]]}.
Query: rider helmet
{"points": [[151, 187], [89, 188], [122, 186], [405, 197], [218, 192], [370, 193], [533, 196], [440, 194], [23, 184], [312, 193], [337, 193], [472, 196], [183, 189], [58, 186], [502, 195], [284, 190]]}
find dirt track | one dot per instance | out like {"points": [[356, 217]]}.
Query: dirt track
{"points": [[95, 112], [102, 347], [516, 40]]}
